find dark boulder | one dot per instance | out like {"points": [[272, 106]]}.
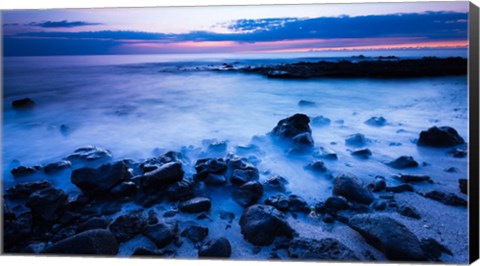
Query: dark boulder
{"points": [[411, 178], [215, 248], [408, 211], [181, 190], [376, 121], [276, 183], [463, 185], [248, 193], [24, 190], [195, 233], [48, 204], [100, 180], [362, 153], [378, 184], [23, 104], [53, 168], [195, 205], [399, 189], [205, 167], [316, 166], [446, 198], [290, 127], [434, 249], [321, 249], [162, 176], [278, 201], [143, 251], [352, 188], [162, 234], [215, 180], [320, 121], [124, 189], [242, 176], [22, 171], [94, 223], [261, 224], [403, 162], [91, 242], [90, 153], [326, 154], [303, 141], [128, 225], [440, 137], [356, 140], [297, 204], [379, 205], [336, 203], [154, 163], [16, 231], [388, 235], [458, 153]]}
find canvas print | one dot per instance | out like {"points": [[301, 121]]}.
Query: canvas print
{"points": [[332, 132]]}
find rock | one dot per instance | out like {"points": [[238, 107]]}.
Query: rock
{"points": [[128, 225], [181, 190], [215, 248], [446, 198], [124, 189], [440, 137], [143, 251], [320, 121], [161, 234], [205, 167], [356, 140], [399, 189], [434, 249], [215, 180], [379, 205], [403, 162], [16, 231], [195, 233], [278, 201], [241, 171], [389, 236], [166, 174], [316, 166], [463, 184], [297, 204], [304, 103], [376, 121], [22, 171], [34, 248], [352, 188], [100, 180], [378, 185], [154, 163], [408, 211], [328, 218], [8, 214], [195, 205], [292, 126], [319, 249], [326, 154], [24, 190], [458, 153], [91, 242], [48, 204], [53, 168], [63, 233], [411, 178], [276, 183], [261, 224], [336, 203], [23, 104], [94, 223], [362, 153], [90, 153], [303, 141], [248, 193]]}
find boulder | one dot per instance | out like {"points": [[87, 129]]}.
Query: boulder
{"points": [[162, 176], [336, 203], [408, 211], [16, 231], [248, 193], [181, 190], [162, 234], [440, 137], [23, 104], [124, 189], [316, 166], [22, 171], [205, 167], [278, 201], [290, 127], [403, 162], [24, 190], [412, 178], [195, 205], [276, 183], [215, 180], [434, 249], [215, 248], [376, 121], [303, 141], [320, 121], [53, 168], [91, 242], [90, 153], [297, 204], [94, 223], [458, 153], [389, 236], [378, 184], [352, 188], [143, 251], [48, 204], [261, 224], [319, 249], [127, 226], [399, 189], [100, 180], [326, 154], [195, 233], [356, 140], [446, 198], [362, 153]]}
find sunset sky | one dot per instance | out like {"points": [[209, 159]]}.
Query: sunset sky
{"points": [[248, 29]]}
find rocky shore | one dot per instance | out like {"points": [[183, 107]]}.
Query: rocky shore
{"points": [[154, 207]]}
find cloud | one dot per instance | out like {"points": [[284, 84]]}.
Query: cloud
{"points": [[54, 24]]}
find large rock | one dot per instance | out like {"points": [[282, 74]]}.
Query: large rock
{"points": [[241, 171], [124, 189], [161, 234], [261, 224], [164, 175], [376, 121], [195, 233], [215, 248], [93, 223], [195, 205], [352, 188], [248, 193], [391, 237], [23, 104], [322, 249], [100, 180], [168, 157], [128, 225], [53, 168], [91, 242], [16, 231], [412, 178], [364, 153], [446, 198], [440, 137], [48, 204], [205, 167], [356, 140], [90, 153], [403, 162], [24, 190], [181, 190], [276, 183], [296, 130], [23, 171]]}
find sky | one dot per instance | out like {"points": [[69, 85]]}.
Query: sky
{"points": [[238, 29]]}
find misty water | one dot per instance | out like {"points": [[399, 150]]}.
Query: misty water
{"points": [[140, 107]]}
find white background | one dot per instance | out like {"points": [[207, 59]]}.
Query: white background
{"points": [[62, 261]]}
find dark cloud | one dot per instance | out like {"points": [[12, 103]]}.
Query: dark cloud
{"points": [[54, 24]]}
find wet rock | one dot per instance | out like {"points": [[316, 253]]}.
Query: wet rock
{"points": [[434, 249], [94, 223], [303, 141], [248, 193], [463, 185], [63, 233], [170, 213], [182, 190], [91, 242], [242, 176], [411, 178], [297, 204], [164, 175], [292, 126], [352, 188], [356, 140], [376, 121], [154, 163], [458, 153], [316, 166], [161, 234], [336, 203], [90, 153], [24, 190], [278, 201], [261, 224], [8, 214], [195, 233], [389, 236], [320, 121], [319, 249], [378, 185], [128, 225], [326, 154], [56, 167], [362, 153], [403, 162], [22, 171], [399, 189], [205, 167], [446, 198], [152, 217], [48, 204], [328, 218], [124, 189], [215, 180], [195, 205], [408, 211], [440, 137], [100, 180], [215, 248], [304, 103], [143, 251], [17, 230], [379, 205], [276, 183], [23, 104]]}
